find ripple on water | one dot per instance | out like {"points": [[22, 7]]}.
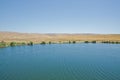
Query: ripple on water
{"points": [[71, 62]]}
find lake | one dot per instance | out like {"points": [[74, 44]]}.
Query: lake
{"points": [[61, 62]]}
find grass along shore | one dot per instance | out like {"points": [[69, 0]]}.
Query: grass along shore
{"points": [[5, 44]]}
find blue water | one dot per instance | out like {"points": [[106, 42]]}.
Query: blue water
{"points": [[61, 62]]}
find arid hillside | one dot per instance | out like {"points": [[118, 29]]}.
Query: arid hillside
{"points": [[36, 38]]}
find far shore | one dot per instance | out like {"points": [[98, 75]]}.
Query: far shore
{"points": [[16, 39]]}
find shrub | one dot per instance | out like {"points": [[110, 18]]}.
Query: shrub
{"points": [[74, 42], [60, 42], [86, 42], [113, 42], [43, 42], [2, 44], [30, 43], [12, 44], [23, 43], [69, 42], [93, 41], [103, 42], [117, 42], [49, 42], [106, 42]]}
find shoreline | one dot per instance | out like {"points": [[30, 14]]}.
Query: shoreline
{"points": [[16, 39], [11, 44]]}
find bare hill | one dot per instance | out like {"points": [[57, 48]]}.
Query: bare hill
{"points": [[36, 38]]}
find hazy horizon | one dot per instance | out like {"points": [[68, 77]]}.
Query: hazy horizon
{"points": [[60, 16], [59, 33]]}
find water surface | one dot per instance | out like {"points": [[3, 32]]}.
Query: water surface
{"points": [[61, 62]]}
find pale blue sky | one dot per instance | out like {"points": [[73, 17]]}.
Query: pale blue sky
{"points": [[60, 16]]}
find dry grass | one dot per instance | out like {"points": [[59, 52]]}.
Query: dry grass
{"points": [[37, 38]]}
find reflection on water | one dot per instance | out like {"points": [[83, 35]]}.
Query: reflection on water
{"points": [[61, 62]]}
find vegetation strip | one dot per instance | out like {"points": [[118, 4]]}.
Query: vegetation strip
{"points": [[5, 44]]}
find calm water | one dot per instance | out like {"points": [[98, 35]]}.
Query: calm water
{"points": [[61, 62]]}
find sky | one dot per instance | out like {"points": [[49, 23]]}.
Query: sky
{"points": [[60, 16]]}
